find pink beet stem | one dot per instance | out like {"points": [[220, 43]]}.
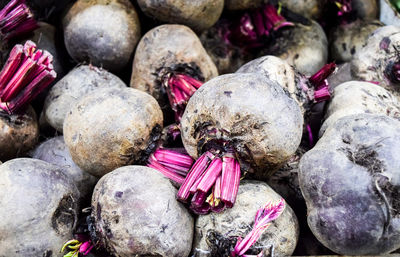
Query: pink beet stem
{"points": [[263, 218], [16, 19], [164, 155], [18, 81], [273, 19], [184, 86], [230, 181], [179, 172], [217, 188], [194, 82], [198, 168], [86, 247], [199, 198], [179, 98], [41, 82], [322, 74], [193, 188], [322, 94], [258, 23], [166, 172], [211, 174], [8, 8], [177, 168], [11, 66]]}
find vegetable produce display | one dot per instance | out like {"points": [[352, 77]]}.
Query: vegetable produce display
{"points": [[199, 128]]}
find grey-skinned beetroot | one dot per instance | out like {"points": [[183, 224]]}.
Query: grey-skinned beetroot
{"points": [[216, 234], [354, 97], [55, 151], [347, 39], [52, 198], [304, 90], [232, 42], [135, 214], [198, 15], [312, 9], [305, 46], [19, 133], [125, 120], [378, 60], [350, 181], [227, 124], [102, 32], [170, 64], [79, 82]]}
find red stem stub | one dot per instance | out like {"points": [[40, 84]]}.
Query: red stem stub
{"points": [[320, 83], [256, 26], [179, 88], [16, 19], [213, 183], [173, 164], [76, 247], [263, 219], [27, 72]]}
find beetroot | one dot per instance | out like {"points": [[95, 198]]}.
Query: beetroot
{"points": [[198, 15], [348, 39], [43, 202], [228, 121], [135, 214], [126, 120], [378, 60], [350, 181], [55, 151], [170, 64], [102, 32], [78, 83], [217, 234], [355, 97], [19, 134]]}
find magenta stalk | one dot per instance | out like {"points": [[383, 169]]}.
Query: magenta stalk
{"points": [[256, 26], [27, 72], [213, 183], [320, 83], [173, 164], [16, 19], [264, 216], [180, 88]]}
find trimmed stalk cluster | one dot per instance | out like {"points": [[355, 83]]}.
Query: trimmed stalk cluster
{"points": [[174, 164], [212, 183], [179, 88], [254, 27], [27, 72], [16, 19], [264, 217]]}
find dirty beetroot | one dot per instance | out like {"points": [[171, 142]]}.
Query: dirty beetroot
{"points": [[226, 128]]}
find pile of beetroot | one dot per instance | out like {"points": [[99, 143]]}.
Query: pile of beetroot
{"points": [[218, 128]]}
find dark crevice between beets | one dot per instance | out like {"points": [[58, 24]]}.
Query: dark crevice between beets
{"points": [[153, 144]]}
